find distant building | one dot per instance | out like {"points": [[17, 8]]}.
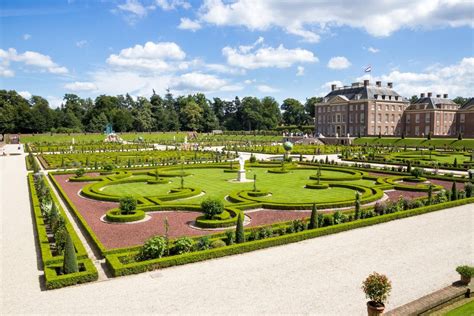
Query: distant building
{"points": [[465, 119], [431, 115], [361, 110]]}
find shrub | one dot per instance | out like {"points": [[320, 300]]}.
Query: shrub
{"points": [[313, 221], [212, 207], [70, 259], [60, 237], [239, 230], [127, 205], [203, 243], [80, 172], [229, 237], [377, 288], [252, 158], [183, 245], [357, 206], [152, 248], [265, 232], [108, 167], [416, 172], [298, 225], [465, 271], [218, 243], [454, 192], [468, 189]]}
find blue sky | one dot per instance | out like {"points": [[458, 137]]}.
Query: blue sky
{"points": [[228, 48]]}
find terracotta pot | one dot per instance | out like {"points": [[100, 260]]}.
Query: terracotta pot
{"points": [[373, 310], [465, 279]]}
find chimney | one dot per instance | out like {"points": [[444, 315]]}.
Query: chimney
{"points": [[438, 95], [378, 83], [366, 83], [430, 94], [422, 95], [390, 85], [333, 87], [445, 95]]}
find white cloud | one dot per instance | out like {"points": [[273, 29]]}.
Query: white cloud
{"points": [[199, 82], [134, 7], [248, 81], [300, 71], [25, 94], [151, 56], [265, 57], [172, 4], [306, 19], [81, 43], [456, 79], [327, 85], [339, 62], [80, 86], [266, 89], [26, 36], [188, 24], [373, 50], [54, 102], [28, 58]]}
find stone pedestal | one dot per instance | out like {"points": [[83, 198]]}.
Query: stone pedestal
{"points": [[241, 177]]}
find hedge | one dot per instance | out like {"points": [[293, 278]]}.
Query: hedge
{"points": [[115, 216], [118, 268], [55, 281], [46, 254]]}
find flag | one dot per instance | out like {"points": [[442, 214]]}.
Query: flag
{"points": [[368, 68]]}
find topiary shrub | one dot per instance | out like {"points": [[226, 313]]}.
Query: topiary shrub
{"points": [[127, 205], [212, 207], [183, 245], [377, 289], [60, 237], [239, 231], [466, 272], [70, 258], [468, 187], [203, 243], [416, 172], [218, 244], [80, 172], [229, 237], [152, 248]]}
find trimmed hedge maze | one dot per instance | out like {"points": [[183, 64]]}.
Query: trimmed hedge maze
{"points": [[174, 190]]}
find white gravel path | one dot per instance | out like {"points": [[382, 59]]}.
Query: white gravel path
{"points": [[318, 276]]}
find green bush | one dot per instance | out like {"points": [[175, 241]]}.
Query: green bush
{"points": [[183, 245], [70, 258], [152, 248], [468, 187], [218, 243], [466, 271], [212, 207], [229, 237], [80, 172], [203, 243], [115, 215], [239, 231], [416, 172], [377, 288], [127, 204]]}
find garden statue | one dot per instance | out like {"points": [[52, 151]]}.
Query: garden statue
{"points": [[241, 174]]}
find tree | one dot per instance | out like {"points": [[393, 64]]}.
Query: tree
{"points": [[454, 192], [127, 205], [143, 120], [313, 221], [70, 257], [357, 206], [190, 114], [430, 194], [460, 100], [413, 98], [212, 207], [239, 231], [270, 113], [468, 187], [310, 104], [294, 112]]}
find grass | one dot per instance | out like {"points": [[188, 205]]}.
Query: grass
{"points": [[425, 155], [463, 310], [285, 188], [413, 142]]}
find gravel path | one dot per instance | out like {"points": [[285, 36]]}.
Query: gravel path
{"points": [[318, 276]]}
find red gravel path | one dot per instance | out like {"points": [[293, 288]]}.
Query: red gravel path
{"points": [[380, 174], [395, 194], [127, 235], [448, 184]]}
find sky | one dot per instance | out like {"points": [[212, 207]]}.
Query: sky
{"points": [[285, 49]]}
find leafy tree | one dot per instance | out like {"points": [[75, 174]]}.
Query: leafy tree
{"points": [[212, 207], [294, 112], [309, 105], [127, 205]]}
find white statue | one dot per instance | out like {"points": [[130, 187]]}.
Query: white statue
{"points": [[242, 162]]}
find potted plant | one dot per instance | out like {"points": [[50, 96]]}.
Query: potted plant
{"points": [[466, 273], [377, 288]]}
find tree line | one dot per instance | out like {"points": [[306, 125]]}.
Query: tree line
{"points": [[167, 113]]}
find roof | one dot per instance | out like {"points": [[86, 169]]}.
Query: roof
{"points": [[468, 105], [430, 103], [365, 92]]}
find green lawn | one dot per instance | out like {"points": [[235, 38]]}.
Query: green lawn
{"points": [[425, 155], [463, 310], [413, 142], [285, 188]]}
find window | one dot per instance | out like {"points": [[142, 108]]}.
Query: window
{"points": [[386, 118], [462, 118], [393, 118], [399, 107], [393, 107], [387, 107], [386, 130], [350, 117], [362, 117], [427, 129], [338, 117], [417, 118], [350, 107], [408, 118], [417, 130], [380, 107], [380, 118], [372, 117], [427, 117], [392, 130], [373, 106]]}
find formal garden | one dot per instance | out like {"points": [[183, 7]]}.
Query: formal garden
{"points": [[176, 209]]}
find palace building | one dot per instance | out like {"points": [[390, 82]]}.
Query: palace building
{"points": [[360, 110], [363, 109]]}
